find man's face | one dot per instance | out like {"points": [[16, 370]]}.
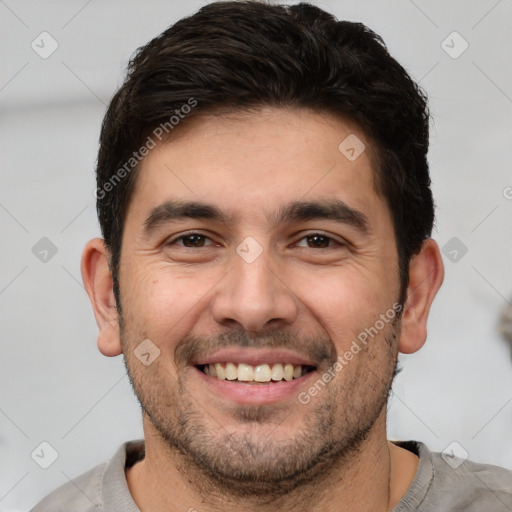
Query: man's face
{"points": [[285, 257]]}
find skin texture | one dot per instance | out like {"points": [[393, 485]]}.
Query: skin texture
{"points": [[203, 448]]}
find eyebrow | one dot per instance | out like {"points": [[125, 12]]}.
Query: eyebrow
{"points": [[179, 210], [336, 210]]}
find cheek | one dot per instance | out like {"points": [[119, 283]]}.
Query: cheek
{"points": [[164, 301], [345, 301]]}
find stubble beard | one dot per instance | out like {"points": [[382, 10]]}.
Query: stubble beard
{"points": [[246, 462]]}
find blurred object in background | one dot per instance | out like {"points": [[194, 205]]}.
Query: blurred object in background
{"points": [[505, 324]]}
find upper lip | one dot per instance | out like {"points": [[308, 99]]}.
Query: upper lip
{"points": [[254, 357]]}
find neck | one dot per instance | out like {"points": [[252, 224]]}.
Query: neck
{"points": [[373, 478]]}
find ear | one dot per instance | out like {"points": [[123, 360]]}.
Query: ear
{"points": [[426, 274], [97, 280]]}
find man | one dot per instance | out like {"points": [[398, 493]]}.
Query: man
{"points": [[264, 198]]}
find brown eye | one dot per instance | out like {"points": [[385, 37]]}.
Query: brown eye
{"points": [[318, 241], [193, 240]]}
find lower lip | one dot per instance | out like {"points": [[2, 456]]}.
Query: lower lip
{"points": [[243, 393]]}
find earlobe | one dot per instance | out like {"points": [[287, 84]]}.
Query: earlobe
{"points": [[426, 274], [97, 280]]}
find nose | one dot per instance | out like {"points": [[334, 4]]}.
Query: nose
{"points": [[254, 297]]}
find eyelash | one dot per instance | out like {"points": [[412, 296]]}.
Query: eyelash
{"points": [[195, 233]]}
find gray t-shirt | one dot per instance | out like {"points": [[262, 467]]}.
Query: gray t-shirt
{"points": [[439, 485]]}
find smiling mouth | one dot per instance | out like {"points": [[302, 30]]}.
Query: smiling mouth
{"points": [[260, 374]]}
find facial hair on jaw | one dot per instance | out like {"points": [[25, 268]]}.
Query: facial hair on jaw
{"points": [[335, 425]]}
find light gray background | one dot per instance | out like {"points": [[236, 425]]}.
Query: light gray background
{"points": [[56, 386]]}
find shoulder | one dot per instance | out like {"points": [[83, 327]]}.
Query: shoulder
{"points": [[446, 482], [101, 488], [470, 485], [82, 494]]}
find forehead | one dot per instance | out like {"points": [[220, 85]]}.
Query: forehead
{"points": [[250, 165]]}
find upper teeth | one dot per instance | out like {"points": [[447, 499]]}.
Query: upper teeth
{"points": [[247, 373]]}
